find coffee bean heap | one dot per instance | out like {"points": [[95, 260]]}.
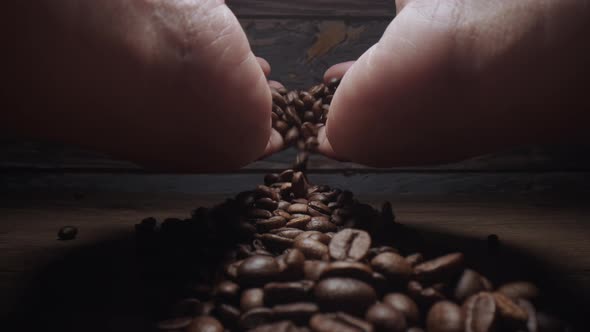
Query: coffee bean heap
{"points": [[291, 256], [298, 116]]}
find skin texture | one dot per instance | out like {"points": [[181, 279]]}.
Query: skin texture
{"points": [[170, 84], [453, 79]]}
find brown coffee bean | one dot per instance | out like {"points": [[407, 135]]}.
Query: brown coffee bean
{"points": [[301, 160], [299, 187], [291, 136], [320, 207], [440, 268], [282, 127], [287, 292], [469, 283], [312, 249], [284, 205], [480, 313], [445, 316], [227, 292], [292, 117], [227, 314], [393, 266], [320, 224], [297, 208], [319, 197], [266, 225], [265, 191], [274, 242], [405, 305], [299, 313], [344, 294], [205, 324], [252, 298], [385, 318], [282, 326], [313, 269], [278, 99], [510, 313], [287, 175], [257, 270], [314, 235], [282, 213], [340, 322], [256, 317], [271, 178], [317, 90], [354, 270], [288, 232], [293, 261], [67, 233], [350, 244], [266, 204], [415, 259], [308, 129], [231, 270], [520, 290], [424, 296], [177, 323], [299, 222]]}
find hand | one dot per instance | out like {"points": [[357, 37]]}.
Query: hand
{"points": [[452, 79], [169, 84]]}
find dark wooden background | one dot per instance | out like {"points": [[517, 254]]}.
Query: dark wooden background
{"points": [[535, 198]]}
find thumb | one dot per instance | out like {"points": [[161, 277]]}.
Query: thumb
{"points": [[378, 110]]}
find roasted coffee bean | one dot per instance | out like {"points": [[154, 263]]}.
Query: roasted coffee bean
{"points": [[344, 294], [177, 323], [271, 178], [297, 208], [320, 207], [256, 317], [227, 314], [415, 259], [205, 324], [227, 292], [393, 266], [287, 175], [319, 197], [266, 204], [282, 127], [290, 233], [350, 244], [520, 290], [252, 298], [480, 313], [320, 224], [287, 292], [282, 326], [265, 191], [424, 296], [257, 270], [312, 249], [293, 261], [291, 136], [299, 222], [266, 225], [379, 250], [405, 305], [445, 316], [385, 318], [510, 313], [340, 322], [440, 268], [278, 99], [313, 269], [354, 270], [469, 283], [299, 313], [274, 242], [258, 213], [314, 235], [284, 205], [231, 270], [67, 233], [299, 188], [282, 213]]}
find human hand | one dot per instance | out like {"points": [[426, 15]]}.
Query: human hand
{"points": [[454, 79], [169, 84]]}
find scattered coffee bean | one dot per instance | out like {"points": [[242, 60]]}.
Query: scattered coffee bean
{"points": [[67, 233]]}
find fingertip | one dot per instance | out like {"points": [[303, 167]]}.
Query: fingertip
{"points": [[337, 71], [264, 65], [275, 143], [325, 147]]}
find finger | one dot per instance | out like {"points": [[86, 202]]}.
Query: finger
{"points": [[275, 84], [337, 71], [264, 65], [325, 147], [275, 144]]}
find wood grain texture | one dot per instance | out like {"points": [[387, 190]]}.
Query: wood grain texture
{"points": [[553, 233], [313, 8]]}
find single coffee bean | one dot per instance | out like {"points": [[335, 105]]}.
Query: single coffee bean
{"points": [[312, 249], [227, 314], [340, 322], [205, 324], [282, 127], [287, 175], [275, 242], [297, 208], [231, 270], [319, 197], [481, 313], [287, 292], [424, 296], [445, 316], [293, 265], [299, 186], [415, 259], [393, 266], [258, 213], [278, 99], [252, 298], [257, 270], [386, 319], [350, 244], [520, 290], [403, 304], [299, 222], [290, 233], [320, 207], [320, 224], [314, 235], [344, 294], [354, 270], [67, 233], [313, 269], [511, 314], [440, 268], [255, 317], [174, 323], [469, 283], [282, 213], [271, 178], [227, 292], [316, 213], [266, 204], [265, 191], [299, 313], [284, 205], [266, 225], [379, 250]]}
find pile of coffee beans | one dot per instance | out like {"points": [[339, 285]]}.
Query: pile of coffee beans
{"points": [[293, 256]]}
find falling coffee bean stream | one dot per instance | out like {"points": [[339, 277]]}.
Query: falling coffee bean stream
{"points": [[293, 256]]}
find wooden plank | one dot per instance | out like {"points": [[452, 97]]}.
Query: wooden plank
{"points": [[101, 258], [313, 8]]}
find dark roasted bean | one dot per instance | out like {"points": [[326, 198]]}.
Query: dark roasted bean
{"points": [[385, 318], [266, 204], [257, 270], [287, 292], [340, 322], [320, 207], [440, 268], [393, 266], [67, 233], [256, 317], [350, 244], [313, 269], [290, 233], [177, 323], [227, 292], [415, 259], [205, 324], [252, 298], [314, 235], [299, 222], [405, 305], [480, 313], [445, 316], [275, 242], [354, 270], [312, 249], [299, 312], [520, 290], [469, 283], [320, 224], [271, 223], [344, 294]]}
